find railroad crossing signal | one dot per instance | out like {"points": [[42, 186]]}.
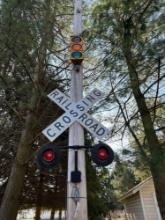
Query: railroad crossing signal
{"points": [[76, 48], [48, 157], [102, 154], [75, 112]]}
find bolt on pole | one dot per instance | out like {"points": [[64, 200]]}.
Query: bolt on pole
{"points": [[76, 192]]}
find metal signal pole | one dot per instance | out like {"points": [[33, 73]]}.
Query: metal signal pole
{"points": [[77, 192]]}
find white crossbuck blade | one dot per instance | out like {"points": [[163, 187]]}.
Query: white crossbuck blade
{"points": [[75, 112]]}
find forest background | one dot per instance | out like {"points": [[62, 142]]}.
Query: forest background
{"points": [[124, 58]]}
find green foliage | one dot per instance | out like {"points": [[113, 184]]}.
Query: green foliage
{"points": [[101, 197], [129, 37], [119, 25], [33, 39], [123, 177], [30, 67]]}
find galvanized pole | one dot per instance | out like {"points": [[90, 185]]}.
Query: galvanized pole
{"points": [[77, 193]]}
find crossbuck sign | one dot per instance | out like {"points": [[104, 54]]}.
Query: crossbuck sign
{"points": [[75, 112]]}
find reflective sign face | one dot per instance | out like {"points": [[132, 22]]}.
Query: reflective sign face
{"points": [[75, 112]]}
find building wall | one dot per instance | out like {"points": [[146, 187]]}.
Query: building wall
{"points": [[150, 206], [133, 207]]}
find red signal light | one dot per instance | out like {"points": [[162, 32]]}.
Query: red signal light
{"points": [[102, 154], [48, 155]]}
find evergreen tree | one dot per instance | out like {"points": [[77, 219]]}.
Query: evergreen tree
{"points": [[129, 36], [30, 67]]}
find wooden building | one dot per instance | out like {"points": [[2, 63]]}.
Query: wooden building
{"points": [[140, 202]]}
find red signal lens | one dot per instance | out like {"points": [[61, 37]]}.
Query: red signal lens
{"points": [[102, 154], [48, 155]]}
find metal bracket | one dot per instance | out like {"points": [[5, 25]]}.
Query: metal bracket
{"points": [[74, 147], [75, 195], [77, 147]]}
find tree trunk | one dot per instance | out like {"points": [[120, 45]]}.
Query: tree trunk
{"points": [[60, 214], [38, 213], [157, 160], [109, 216], [52, 214], [39, 198], [10, 202]]}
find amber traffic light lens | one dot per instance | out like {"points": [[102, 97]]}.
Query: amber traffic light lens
{"points": [[76, 47]]}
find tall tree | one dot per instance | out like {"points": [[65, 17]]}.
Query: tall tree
{"points": [[30, 39], [130, 42]]}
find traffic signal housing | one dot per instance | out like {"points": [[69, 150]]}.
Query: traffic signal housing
{"points": [[48, 157], [102, 154], [76, 49]]}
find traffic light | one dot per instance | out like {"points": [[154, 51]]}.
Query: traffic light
{"points": [[76, 48], [48, 157], [102, 154]]}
